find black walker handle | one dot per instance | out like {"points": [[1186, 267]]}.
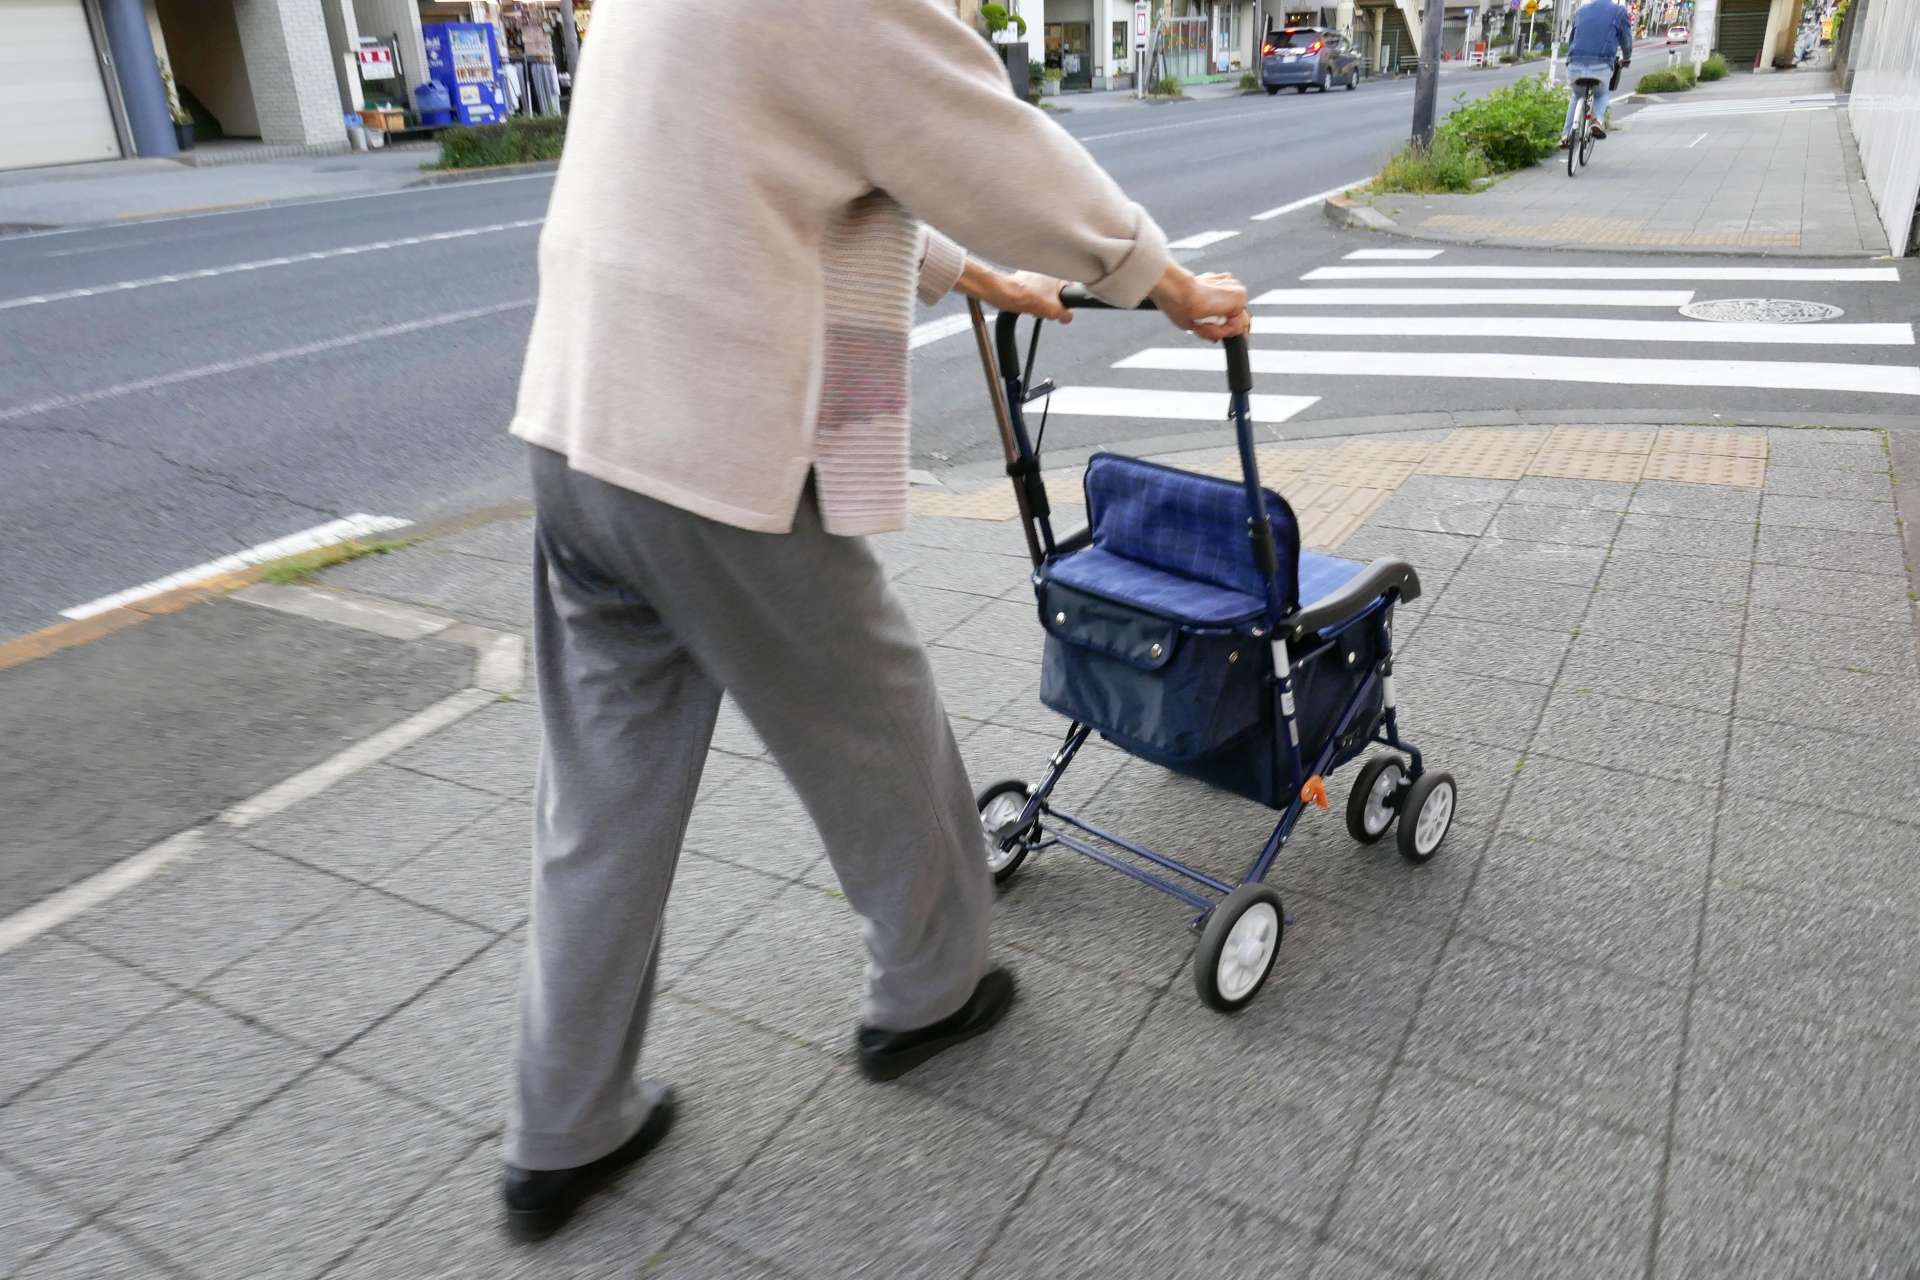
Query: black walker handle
{"points": [[1266, 556]]}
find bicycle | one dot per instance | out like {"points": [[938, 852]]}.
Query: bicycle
{"points": [[1580, 137]]}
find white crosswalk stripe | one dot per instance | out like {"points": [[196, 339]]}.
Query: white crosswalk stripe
{"points": [[1667, 298], [1736, 107], [1586, 328], [1781, 375], [1518, 323], [1458, 271], [1189, 406]]}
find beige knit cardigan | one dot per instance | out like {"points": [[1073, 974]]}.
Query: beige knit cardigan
{"points": [[727, 276]]}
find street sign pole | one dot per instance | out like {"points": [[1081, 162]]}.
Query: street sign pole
{"points": [[1426, 83]]}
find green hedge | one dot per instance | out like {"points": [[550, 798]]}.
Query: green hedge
{"points": [[1714, 68], [1512, 127], [519, 141], [1668, 80]]}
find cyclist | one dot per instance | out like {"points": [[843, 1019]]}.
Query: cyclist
{"points": [[1602, 36]]}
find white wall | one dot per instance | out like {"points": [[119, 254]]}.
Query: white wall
{"points": [[296, 93], [1885, 110]]}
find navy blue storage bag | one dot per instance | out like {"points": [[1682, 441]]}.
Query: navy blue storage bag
{"points": [[1157, 633]]}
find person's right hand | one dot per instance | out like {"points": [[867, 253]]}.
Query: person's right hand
{"points": [[1213, 306]]}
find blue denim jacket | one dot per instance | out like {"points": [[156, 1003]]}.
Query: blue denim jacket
{"points": [[1600, 30]]}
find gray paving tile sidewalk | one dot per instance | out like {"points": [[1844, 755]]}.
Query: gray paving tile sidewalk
{"points": [[1650, 1012], [68, 195], [1786, 182]]}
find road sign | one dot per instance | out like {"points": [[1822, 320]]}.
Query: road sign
{"points": [[1531, 6], [1140, 20]]}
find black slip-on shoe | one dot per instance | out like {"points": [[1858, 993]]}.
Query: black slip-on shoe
{"points": [[886, 1054], [1598, 132], [539, 1201]]}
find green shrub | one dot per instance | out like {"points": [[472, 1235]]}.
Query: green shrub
{"points": [[1249, 81], [1448, 165], [518, 141], [1169, 87], [998, 18], [1667, 80], [1714, 68], [1510, 128]]}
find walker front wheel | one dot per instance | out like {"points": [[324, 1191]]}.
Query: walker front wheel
{"points": [[1426, 815], [1000, 805], [1375, 798], [1238, 947]]}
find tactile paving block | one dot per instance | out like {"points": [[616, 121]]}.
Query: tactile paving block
{"points": [[1710, 444], [1595, 440], [1564, 464], [1693, 468], [1484, 455]]}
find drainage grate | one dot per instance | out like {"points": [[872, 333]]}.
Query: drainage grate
{"points": [[1760, 311]]}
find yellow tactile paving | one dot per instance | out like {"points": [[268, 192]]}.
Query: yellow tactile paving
{"points": [[1565, 464], [1335, 491], [1594, 440], [1710, 444], [1484, 455]]}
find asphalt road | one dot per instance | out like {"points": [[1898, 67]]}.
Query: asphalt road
{"points": [[151, 429], [136, 483]]}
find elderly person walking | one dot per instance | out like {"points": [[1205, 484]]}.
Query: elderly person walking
{"points": [[715, 396]]}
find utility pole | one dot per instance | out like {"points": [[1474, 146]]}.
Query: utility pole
{"points": [[1426, 81]]}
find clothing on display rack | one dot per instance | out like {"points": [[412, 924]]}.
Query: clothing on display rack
{"points": [[545, 82], [511, 83]]}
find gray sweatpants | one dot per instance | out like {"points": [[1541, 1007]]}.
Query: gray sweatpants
{"points": [[643, 614]]}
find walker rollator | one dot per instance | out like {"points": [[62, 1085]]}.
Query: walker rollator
{"points": [[1187, 627]]}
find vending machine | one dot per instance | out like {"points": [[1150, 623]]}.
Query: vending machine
{"points": [[463, 59]]}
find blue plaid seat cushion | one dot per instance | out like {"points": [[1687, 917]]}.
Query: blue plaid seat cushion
{"points": [[1192, 526], [1175, 544], [1321, 576], [1101, 573]]}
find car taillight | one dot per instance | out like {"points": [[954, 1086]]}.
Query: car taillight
{"points": [[1266, 49], [1314, 47]]}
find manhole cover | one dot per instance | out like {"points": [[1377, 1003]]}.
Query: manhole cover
{"points": [[1760, 311]]}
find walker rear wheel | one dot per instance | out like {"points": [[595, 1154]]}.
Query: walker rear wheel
{"points": [[1238, 947], [1426, 815], [1000, 804], [1375, 799]]}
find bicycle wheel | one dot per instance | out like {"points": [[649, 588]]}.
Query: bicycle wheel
{"points": [[1577, 136], [1586, 135]]}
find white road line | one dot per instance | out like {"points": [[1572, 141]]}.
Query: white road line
{"points": [[1779, 375], [1191, 406], [944, 327], [1162, 128], [1584, 328], [1749, 107], [1304, 201], [1201, 240], [1474, 297], [207, 273], [311, 782], [250, 362], [321, 535], [1696, 142], [1412, 255], [1460, 271], [50, 913]]}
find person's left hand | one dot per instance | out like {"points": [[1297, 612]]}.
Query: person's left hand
{"points": [[1027, 292]]}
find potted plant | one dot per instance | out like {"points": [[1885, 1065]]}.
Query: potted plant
{"points": [[1001, 24], [1050, 82]]}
